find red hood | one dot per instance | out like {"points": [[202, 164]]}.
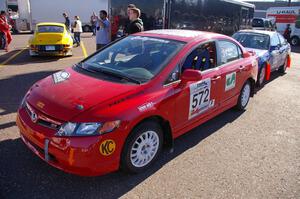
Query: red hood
{"points": [[60, 100]]}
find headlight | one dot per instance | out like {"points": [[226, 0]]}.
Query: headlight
{"points": [[86, 129]]}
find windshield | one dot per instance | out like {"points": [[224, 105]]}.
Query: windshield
{"points": [[135, 58], [57, 29], [253, 40], [257, 23]]}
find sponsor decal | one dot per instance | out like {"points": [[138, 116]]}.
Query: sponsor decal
{"points": [[107, 147], [60, 76], [146, 106], [230, 81], [199, 97]]}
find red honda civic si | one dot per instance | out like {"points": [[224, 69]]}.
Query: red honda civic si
{"points": [[118, 107]]}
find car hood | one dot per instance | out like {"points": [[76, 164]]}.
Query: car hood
{"points": [[66, 94]]}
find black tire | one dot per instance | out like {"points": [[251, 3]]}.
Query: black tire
{"points": [[282, 68], [261, 80], [241, 105], [295, 41], [126, 163]]}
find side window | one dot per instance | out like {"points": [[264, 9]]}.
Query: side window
{"points": [[228, 52], [275, 40], [282, 40], [202, 58]]}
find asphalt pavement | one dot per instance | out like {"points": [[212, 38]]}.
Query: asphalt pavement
{"points": [[250, 154]]}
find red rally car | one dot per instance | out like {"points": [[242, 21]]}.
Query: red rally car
{"points": [[120, 106]]}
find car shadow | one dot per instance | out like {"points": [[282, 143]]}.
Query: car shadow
{"points": [[14, 88], [6, 55], [274, 75], [24, 58], [24, 174]]}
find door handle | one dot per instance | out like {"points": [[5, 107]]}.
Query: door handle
{"points": [[241, 68], [215, 78]]}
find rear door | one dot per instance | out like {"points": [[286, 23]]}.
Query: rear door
{"points": [[232, 69], [275, 52], [283, 51]]}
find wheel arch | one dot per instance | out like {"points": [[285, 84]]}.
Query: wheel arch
{"points": [[164, 124], [252, 83]]}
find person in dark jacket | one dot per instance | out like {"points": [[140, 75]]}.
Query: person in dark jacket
{"points": [[127, 22], [136, 24], [67, 21], [287, 33]]}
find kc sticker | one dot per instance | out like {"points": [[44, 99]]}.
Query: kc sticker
{"points": [[230, 81], [107, 147]]}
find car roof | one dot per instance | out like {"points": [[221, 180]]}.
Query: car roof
{"points": [[265, 32], [50, 24], [180, 35]]}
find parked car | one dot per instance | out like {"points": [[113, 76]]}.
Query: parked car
{"points": [[118, 107], [263, 24], [272, 49], [51, 39]]}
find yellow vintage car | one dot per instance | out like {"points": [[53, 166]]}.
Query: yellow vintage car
{"points": [[51, 39]]}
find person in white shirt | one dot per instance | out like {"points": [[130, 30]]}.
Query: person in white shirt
{"points": [[77, 29]]}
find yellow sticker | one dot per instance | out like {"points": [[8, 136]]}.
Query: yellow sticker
{"points": [[107, 147]]}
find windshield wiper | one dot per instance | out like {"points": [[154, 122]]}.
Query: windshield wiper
{"points": [[108, 72], [119, 75]]}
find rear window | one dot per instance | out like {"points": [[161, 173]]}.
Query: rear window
{"points": [[257, 23], [253, 40], [57, 29]]}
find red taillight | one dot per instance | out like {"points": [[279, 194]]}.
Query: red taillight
{"points": [[33, 47]]}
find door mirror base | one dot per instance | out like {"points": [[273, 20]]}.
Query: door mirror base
{"points": [[190, 75]]}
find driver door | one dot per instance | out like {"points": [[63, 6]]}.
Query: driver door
{"points": [[196, 100]]}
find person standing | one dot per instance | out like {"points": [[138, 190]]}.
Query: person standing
{"points": [[102, 33], [67, 21], [127, 22], [287, 33], [136, 24], [94, 19], [77, 29], [5, 29]]}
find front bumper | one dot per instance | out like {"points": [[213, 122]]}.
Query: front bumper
{"points": [[76, 155]]}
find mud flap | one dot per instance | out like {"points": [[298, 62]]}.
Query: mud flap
{"points": [[268, 71]]}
